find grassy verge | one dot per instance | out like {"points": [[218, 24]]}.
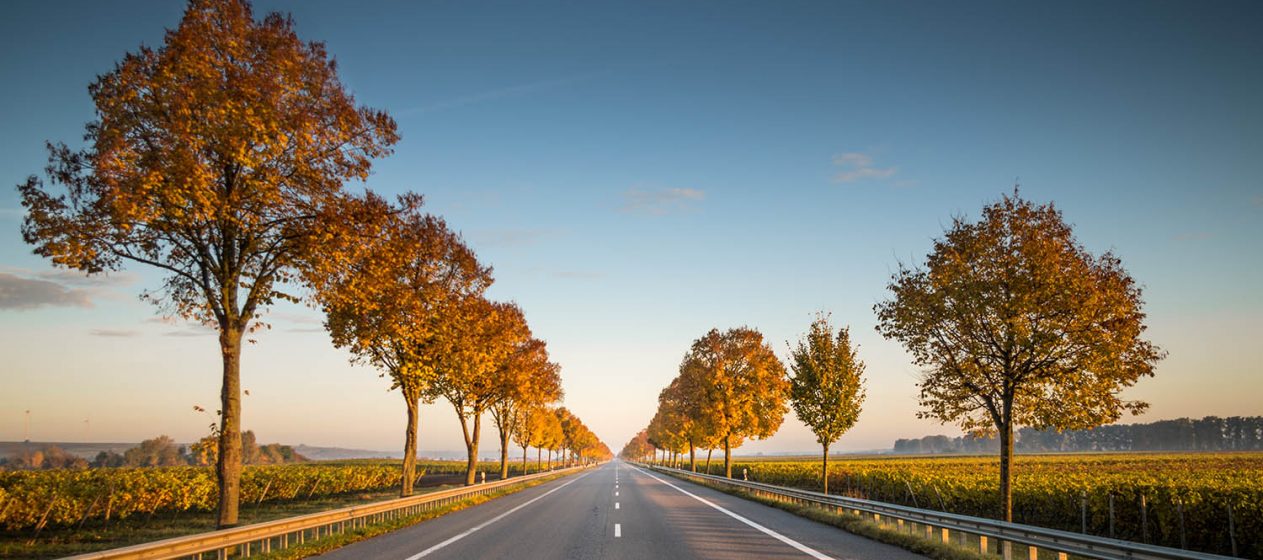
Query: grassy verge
{"points": [[325, 544], [860, 526], [96, 535]]}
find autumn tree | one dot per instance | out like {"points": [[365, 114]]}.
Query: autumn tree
{"points": [[684, 401], [1015, 323], [526, 380], [638, 448], [826, 388], [666, 431], [472, 346], [387, 288], [577, 440], [552, 436], [528, 428], [208, 158], [743, 385]]}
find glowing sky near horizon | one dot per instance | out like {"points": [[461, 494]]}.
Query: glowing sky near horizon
{"points": [[639, 173]]}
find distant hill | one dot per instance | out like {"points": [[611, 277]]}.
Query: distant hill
{"points": [[1212, 433], [339, 453], [87, 451]]}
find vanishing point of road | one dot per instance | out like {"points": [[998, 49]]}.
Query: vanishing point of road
{"points": [[619, 511]]}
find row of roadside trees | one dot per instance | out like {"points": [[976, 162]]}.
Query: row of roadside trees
{"points": [[1011, 320], [220, 158], [731, 387]]}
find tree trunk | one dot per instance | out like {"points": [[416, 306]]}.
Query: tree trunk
{"points": [[504, 454], [410, 445], [708, 452], [550, 459], [692, 458], [228, 465], [1006, 471], [824, 470], [539, 458], [728, 456], [471, 445], [525, 449]]}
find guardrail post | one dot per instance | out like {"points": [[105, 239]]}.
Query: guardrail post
{"points": [[1032, 553], [1232, 531], [947, 537], [1111, 515], [1062, 556], [982, 544]]}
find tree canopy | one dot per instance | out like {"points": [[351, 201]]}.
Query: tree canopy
{"points": [[387, 287], [1015, 323], [208, 159], [741, 384], [826, 388]]}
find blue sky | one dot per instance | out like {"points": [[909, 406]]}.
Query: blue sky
{"points": [[638, 173]]}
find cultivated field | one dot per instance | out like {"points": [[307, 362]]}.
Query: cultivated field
{"points": [[37, 500], [51, 513], [1156, 497]]}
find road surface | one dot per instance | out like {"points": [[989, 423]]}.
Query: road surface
{"points": [[619, 511]]}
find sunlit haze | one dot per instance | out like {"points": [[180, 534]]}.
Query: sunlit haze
{"points": [[637, 177]]}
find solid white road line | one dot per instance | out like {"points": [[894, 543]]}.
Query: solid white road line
{"points": [[791, 542], [618, 530], [436, 547]]}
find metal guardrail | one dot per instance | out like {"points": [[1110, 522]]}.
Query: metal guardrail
{"points": [[282, 533], [937, 525]]}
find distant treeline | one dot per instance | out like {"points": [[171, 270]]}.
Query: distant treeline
{"points": [[161, 451], [1212, 433]]}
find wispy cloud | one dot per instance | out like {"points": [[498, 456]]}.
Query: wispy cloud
{"points": [[289, 317], [1257, 200], [509, 237], [578, 274], [114, 279], [305, 330], [857, 166], [516, 90], [114, 333], [21, 293], [660, 201], [185, 327], [191, 331], [1193, 236]]}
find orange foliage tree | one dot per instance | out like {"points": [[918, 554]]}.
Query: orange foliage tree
{"points": [[472, 349], [208, 159], [528, 382], [386, 289], [742, 386], [1015, 323]]}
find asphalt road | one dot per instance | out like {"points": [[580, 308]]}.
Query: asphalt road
{"points": [[620, 512]]}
